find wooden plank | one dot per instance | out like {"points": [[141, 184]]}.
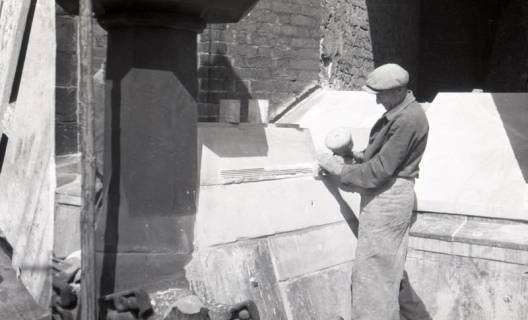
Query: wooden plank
{"points": [[87, 137]]}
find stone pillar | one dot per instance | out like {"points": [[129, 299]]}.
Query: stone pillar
{"points": [[145, 226]]}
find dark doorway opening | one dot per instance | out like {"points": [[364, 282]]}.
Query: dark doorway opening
{"points": [[456, 42]]}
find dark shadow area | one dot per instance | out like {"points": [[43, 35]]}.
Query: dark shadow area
{"points": [[394, 34], [332, 184], [23, 51], [456, 40], [3, 148], [513, 110], [145, 229]]}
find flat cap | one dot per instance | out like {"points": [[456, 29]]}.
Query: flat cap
{"points": [[387, 76], [339, 140]]}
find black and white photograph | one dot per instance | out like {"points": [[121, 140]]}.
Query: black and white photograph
{"points": [[263, 159]]}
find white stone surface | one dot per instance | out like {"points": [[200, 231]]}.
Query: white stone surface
{"points": [[27, 179], [246, 152], [470, 166], [329, 109], [258, 111]]}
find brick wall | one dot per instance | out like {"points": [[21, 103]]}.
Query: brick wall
{"points": [[66, 130], [271, 54], [66, 83]]}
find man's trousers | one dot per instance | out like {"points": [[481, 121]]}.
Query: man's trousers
{"points": [[380, 287]]}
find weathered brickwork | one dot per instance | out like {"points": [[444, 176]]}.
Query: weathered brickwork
{"points": [[66, 84], [271, 54], [66, 130]]}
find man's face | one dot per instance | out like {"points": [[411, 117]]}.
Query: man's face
{"points": [[390, 98]]}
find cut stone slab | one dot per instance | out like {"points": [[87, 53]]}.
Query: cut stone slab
{"points": [[250, 152], [299, 253], [320, 295], [229, 274], [456, 287], [329, 109], [476, 155]]}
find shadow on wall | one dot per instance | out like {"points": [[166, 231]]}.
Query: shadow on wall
{"points": [[218, 80], [149, 179]]}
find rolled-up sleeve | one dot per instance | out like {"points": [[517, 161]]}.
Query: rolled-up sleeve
{"points": [[377, 170]]}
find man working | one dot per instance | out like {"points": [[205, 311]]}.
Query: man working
{"points": [[384, 173]]}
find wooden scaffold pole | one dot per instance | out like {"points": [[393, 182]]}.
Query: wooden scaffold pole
{"points": [[87, 146]]}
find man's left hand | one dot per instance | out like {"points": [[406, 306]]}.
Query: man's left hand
{"points": [[331, 164]]}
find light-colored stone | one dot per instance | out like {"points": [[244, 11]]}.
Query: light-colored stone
{"points": [[227, 213], [229, 111], [320, 295], [472, 165], [27, 179], [249, 152], [329, 109], [299, 253], [456, 287], [229, 274], [13, 16], [258, 111]]}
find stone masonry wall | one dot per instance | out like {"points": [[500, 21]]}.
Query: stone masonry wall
{"points": [[66, 131], [66, 83], [271, 54], [359, 35]]}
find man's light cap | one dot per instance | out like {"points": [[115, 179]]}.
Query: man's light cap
{"points": [[339, 139], [387, 76]]}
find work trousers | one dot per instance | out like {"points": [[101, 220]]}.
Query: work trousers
{"points": [[380, 286]]}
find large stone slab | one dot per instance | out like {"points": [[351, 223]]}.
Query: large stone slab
{"points": [[227, 213], [328, 109], [320, 295], [252, 152], [476, 155], [456, 287], [13, 15], [27, 179], [234, 273], [299, 253]]}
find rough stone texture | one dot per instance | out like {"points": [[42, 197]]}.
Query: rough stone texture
{"points": [[233, 273], [271, 54], [359, 35], [320, 295], [457, 287], [27, 179]]}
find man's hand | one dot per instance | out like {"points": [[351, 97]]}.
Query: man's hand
{"points": [[358, 156], [331, 164]]}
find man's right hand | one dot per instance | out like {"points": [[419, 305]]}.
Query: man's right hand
{"points": [[359, 156]]}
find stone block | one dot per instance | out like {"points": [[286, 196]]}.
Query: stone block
{"points": [[304, 21], [229, 111], [66, 27], [66, 69], [303, 252], [454, 287], [237, 272], [320, 295], [67, 231], [66, 104], [66, 138], [258, 111]]}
